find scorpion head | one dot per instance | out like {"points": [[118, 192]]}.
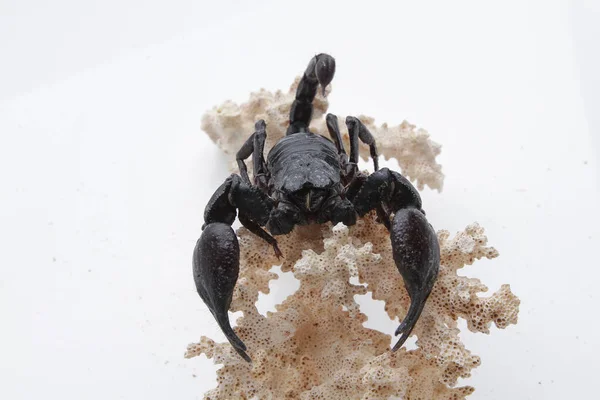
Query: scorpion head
{"points": [[309, 199], [309, 184]]}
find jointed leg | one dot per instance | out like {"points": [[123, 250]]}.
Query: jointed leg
{"points": [[260, 232], [334, 132], [348, 169], [320, 70], [355, 185], [254, 147], [357, 130], [242, 154], [258, 159]]}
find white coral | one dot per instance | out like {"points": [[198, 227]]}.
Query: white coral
{"points": [[314, 346]]}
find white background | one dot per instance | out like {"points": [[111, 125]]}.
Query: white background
{"points": [[105, 173]]}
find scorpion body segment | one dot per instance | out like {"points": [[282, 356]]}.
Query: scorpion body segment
{"points": [[305, 179], [303, 160]]}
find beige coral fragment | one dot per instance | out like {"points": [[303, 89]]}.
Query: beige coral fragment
{"points": [[314, 346]]}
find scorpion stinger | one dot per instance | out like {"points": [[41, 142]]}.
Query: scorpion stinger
{"points": [[308, 179]]}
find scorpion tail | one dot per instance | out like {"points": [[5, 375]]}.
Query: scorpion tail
{"points": [[324, 69], [320, 71]]}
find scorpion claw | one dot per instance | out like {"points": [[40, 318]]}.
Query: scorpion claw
{"points": [[406, 326], [216, 265], [417, 255]]}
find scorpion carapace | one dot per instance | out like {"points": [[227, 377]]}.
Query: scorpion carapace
{"points": [[305, 179]]}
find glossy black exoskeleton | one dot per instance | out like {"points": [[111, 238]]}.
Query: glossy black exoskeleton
{"points": [[307, 179]]}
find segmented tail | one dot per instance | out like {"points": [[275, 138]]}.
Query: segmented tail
{"points": [[320, 70]]}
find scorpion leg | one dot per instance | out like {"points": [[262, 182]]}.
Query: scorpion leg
{"points": [[415, 246], [320, 70], [254, 147], [357, 130], [260, 232], [243, 153], [348, 169], [334, 132], [339, 208], [258, 158], [216, 259]]}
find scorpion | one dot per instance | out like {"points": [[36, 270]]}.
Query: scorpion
{"points": [[310, 179]]}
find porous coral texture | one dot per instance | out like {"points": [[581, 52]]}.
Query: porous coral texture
{"points": [[314, 346]]}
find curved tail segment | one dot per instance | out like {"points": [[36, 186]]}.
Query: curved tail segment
{"points": [[320, 71]]}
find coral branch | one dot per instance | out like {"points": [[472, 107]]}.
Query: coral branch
{"points": [[314, 346]]}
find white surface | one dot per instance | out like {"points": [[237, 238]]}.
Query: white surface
{"points": [[105, 173]]}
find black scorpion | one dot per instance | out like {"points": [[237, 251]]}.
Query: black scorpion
{"points": [[308, 179]]}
